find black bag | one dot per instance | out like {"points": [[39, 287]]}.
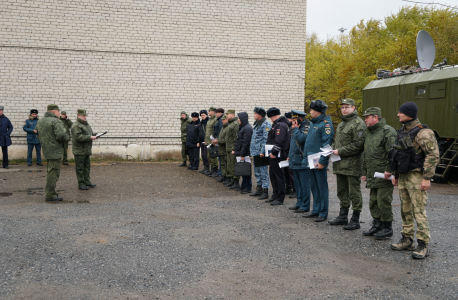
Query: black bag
{"points": [[213, 151], [242, 168]]}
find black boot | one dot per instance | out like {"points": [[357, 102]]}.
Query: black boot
{"points": [[354, 221], [214, 173], [221, 179], [385, 233], [183, 164], [226, 181], [245, 191], [208, 172], [376, 226], [293, 194], [342, 218], [205, 169], [288, 190], [229, 183], [257, 192], [236, 184], [271, 199], [264, 195]]}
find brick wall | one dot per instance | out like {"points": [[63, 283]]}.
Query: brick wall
{"points": [[134, 65]]}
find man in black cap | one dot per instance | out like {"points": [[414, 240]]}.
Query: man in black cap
{"points": [[279, 138], [32, 138], [289, 176], [5, 140], [193, 140], [203, 147], [219, 112]]}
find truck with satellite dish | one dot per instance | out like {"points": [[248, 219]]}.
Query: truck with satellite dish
{"points": [[435, 91]]}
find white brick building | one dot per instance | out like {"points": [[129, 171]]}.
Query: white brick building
{"points": [[134, 64]]}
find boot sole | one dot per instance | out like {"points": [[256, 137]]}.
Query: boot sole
{"points": [[400, 249], [420, 257], [337, 223], [383, 237]]}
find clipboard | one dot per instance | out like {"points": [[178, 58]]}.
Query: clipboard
{"points": [[100, 134]]}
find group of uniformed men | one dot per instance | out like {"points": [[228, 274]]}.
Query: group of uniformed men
{"points": [[406, 158], [52, 132]]}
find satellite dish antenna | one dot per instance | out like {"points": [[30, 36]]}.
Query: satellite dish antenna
{"points": [[426, 51]]}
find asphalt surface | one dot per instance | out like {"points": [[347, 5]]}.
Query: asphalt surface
{"points": [[158, 231]]}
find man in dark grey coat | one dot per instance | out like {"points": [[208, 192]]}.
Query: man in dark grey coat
{"points": [[242, 148], [5, 140]]}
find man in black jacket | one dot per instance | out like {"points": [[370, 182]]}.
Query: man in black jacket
{"points": [[242, 148], [203, 147], [279, 138], [193, 141], [289, 176]]}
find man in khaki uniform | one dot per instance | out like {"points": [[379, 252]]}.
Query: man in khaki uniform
{"points": [[414, 160], [67, 125]]}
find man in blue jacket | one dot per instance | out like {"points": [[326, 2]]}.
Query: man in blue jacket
{"points": [[32, 139], [300, 127], [321, 133], [5, 140]]}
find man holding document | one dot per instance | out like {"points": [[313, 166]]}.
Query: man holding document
{"points": [[320, 134]]}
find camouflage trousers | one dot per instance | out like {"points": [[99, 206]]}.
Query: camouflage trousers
{"points": [[262, 176], [65, 159], [231, 160], [52, 175], [223, 159], [213, 161], [83, 169], [380, 203], [183, 151], [413, 202], [349, 192]]}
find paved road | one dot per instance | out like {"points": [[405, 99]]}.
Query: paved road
{"points": [[156, 231]]}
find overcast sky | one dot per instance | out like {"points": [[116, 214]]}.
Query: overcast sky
{"points": [[325, 17]]}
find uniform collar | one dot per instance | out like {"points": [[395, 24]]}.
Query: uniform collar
{"points": [[377, 126], [409, 125], [81, 121], [50, 115], [318, 119], [351, 116]]}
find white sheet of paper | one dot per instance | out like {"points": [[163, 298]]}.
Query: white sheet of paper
{"points": [[100, 134], [381, 175], [247, 159], [284, 164], [327, 150], [313, 160], [335, 157], [269, 149]]}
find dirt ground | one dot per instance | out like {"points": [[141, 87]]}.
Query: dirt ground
{"points": [[158, 231]]}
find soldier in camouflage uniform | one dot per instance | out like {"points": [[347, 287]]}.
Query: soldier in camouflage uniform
{"points": [[231, 135], [377, 145], [51, 134], [414, 181], [82, 137], [208, 133], [349, 144], [67, 125], [222, 151], [185, 121]]}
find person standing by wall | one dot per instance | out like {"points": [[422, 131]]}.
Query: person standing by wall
{"points": [[68, 126], [208, 134], [185, 120], [222, 153], [231, 135], [32, 138], [203, 146], [193, 140], [242, 148], [5, 136]]}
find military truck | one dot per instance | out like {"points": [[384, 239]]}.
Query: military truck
{"points": [[435, 91]]}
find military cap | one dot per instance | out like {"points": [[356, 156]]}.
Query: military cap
{"points": [[231, 111], [273, 111], [288, 115], [63, 112], [220, 110], [212, 109], [33, 111], [53, 107], [372, 111], [224, 117], [260, 111], [348, 101], [81, 112], [203, 111], [183, 112], [297, 114], [194, 115], [319, 106], [1, 107]]}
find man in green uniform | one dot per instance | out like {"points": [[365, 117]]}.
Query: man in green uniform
{"points": [[209, 133], [82, 137], [185, 121], [377, 145], [67, 125], [222, 151], [231, 135], [51, 134], [414, 160], [349, 144]]}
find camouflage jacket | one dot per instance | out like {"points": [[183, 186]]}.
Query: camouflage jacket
{"points": [[184, 127], [81, 138], [210, 129], [349, 140], [425, 141], [51, 134], [231, 134], [222, 140], [379, 140], [67, 124]]}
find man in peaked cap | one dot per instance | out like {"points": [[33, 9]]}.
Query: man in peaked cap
{"points": [[67, 125], [32, 138], [51, 134], [208, 134], [231, 136], [82, 137], [289, 175]]}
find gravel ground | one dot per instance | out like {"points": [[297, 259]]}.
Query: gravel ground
{"points": [[157, 231]]}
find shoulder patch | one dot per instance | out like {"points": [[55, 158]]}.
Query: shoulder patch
{"points": [[430, 146], [25, 122], [278, 131], [267, 128], [327, 125], [327, 130], [360, 134]]}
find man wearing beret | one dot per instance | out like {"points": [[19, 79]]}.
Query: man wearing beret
{"points": [[416, 156], [51, 134], [231, 136], [67, 125], [82, 137], [209, 133], [32, 138], [279, 138], [193, 140], [261, 130], [320, 134], [349, 145], [377, 145], [185, 120]]}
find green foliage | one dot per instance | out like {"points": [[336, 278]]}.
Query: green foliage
{"points": [[341, 67]]}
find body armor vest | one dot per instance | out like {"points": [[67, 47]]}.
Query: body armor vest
{"points": [[403, 157]]}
